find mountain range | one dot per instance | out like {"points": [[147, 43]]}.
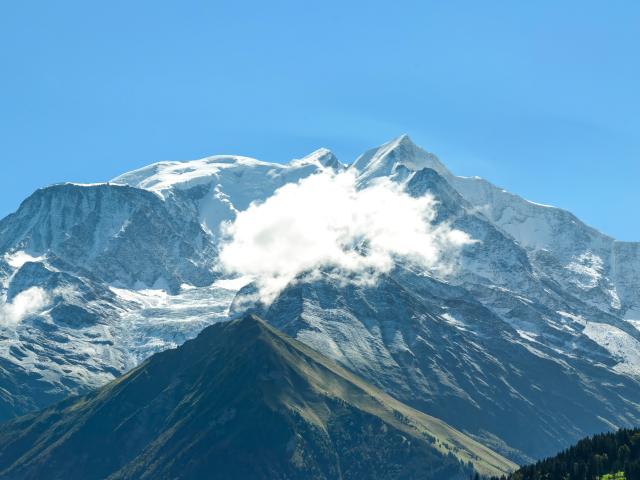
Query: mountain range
{"points": [[529, 343]]}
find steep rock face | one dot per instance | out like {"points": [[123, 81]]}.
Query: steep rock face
{"points": [[119, 234], [443, 352], [241, 401], [494, 258], [56, 338], [626, 274], [559, 244]]}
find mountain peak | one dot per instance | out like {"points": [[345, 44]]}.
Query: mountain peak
{"points": [[403, 139], [324, 157], [242, 400], [251, 326], [383, 160]]}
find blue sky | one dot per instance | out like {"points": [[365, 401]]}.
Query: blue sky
{"points": [[541, 97]]}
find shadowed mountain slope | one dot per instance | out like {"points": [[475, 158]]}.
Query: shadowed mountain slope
{"points": [[244, 401]]}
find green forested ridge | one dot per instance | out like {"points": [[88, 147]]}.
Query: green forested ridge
{"points": [[606, 456]]}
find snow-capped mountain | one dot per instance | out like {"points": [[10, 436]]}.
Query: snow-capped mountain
{"points": [[95, 278], [220, 186], [122, 235], [529, 343]]}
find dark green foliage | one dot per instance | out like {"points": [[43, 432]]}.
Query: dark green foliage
{"points": [[589, 459]]}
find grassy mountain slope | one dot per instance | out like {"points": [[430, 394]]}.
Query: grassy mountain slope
{"points": [[241, 400]]}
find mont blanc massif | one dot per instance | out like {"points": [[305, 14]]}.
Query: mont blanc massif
{"points": [[234, 318]]}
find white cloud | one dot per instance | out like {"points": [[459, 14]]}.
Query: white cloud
{"points": [[19, 258], [27, 302], [325, 221]]}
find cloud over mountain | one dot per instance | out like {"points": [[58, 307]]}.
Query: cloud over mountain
{"points": [[324, 221], [27, 302]]}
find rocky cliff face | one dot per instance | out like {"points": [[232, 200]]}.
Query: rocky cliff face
{"points": [[121, 235]]}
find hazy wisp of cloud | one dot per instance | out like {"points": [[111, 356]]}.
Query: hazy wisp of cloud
{"points": [[28, 302], [325, 221]]}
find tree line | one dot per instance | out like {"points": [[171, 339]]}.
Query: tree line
{"points": [[592, 458]]}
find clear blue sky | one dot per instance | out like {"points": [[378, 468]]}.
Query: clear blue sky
{"points": [[541, 98]]}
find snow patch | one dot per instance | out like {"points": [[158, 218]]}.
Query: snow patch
{"points": [[18, 259], [529, 336], [145, 298], [451, 320], [588, 266], [167, 175], [579, 319], [618, 343], [233, 283]]}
